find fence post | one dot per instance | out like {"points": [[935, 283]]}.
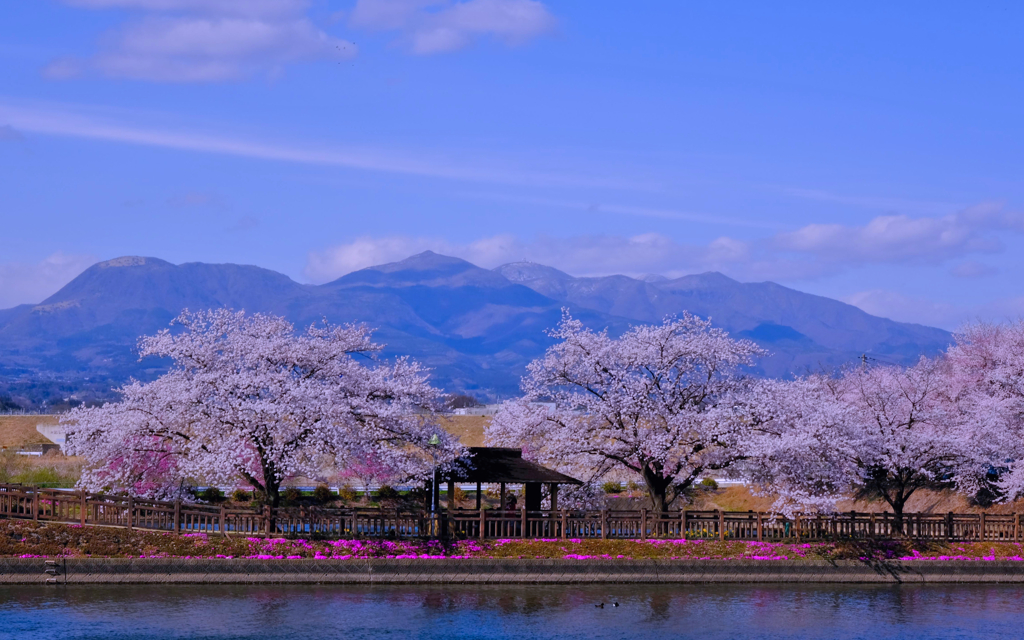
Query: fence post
{"points": [[565, 524], [949, 526], [223, 529], [267, 516], [177, 516], [760, 527], [796, 526], [682, 523], [131, 512], [35, 503], [721, 525], [85, 508], [523, 520], [1016, 527], [604, 524], [483, 523], [643, 524], [981, 529]]}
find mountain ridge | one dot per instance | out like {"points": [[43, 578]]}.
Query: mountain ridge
{"points": [[477, 328]]}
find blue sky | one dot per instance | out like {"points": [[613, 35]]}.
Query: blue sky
{"points": [[866, 152]]}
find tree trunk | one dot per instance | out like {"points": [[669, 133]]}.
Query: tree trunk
{"points": [[274, 495], [897, 513], [657, 489]]}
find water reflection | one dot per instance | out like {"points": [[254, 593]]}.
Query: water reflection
{"points": [[324, 612]]}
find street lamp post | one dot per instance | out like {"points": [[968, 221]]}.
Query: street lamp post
{"points": [[433, 443]]}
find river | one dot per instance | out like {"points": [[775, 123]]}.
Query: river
{"points": [[519, 612]]}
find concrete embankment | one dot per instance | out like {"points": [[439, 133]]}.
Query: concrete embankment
{"points": [[494, 571]]}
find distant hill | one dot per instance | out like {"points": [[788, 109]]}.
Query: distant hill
{"points": [[477, 328]]}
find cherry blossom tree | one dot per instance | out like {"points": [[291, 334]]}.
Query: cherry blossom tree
{"points": [[887, 431], [659, 401], [793, 456], [986, 366], [247, 399]]}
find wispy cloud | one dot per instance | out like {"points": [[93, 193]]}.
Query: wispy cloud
{"points": [[10, 134], [189, 199], [807, 253], [439, 26], [973, 269], [908, 308], [880, 203], [203, 40], [904, 239], [29, 283], [98, 124], [243, 8], [662, 213]]}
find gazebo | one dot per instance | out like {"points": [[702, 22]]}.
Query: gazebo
{"points": [[503, 466]]}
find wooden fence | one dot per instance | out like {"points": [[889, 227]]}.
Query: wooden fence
{"points": [[79, 507]]}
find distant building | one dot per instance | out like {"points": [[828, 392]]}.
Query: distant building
{"points": [[483, 410], [55, 433], [489, 410]]}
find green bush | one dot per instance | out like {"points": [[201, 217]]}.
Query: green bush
{"points": [[709, 484], [632, 485], [292, 495], [387, 492], [241, 495], [211, 494], [347, 493], [612, 487], [322, 494]]}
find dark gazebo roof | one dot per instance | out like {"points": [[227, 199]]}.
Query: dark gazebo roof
{"points": [[500, 464]]}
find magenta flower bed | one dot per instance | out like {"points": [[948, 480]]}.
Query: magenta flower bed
{"points": [[27, 539]]}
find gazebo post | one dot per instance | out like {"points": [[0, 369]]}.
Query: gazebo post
{"points": [[501, 509], [450, 531], [478, 496], [554, 496]]}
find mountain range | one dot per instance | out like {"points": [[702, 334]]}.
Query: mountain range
{"points": [[477, 328]]}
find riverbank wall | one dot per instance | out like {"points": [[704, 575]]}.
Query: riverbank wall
{"points": [[73, 571]]}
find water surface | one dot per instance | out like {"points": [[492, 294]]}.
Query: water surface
{"points": [[521, 612]]}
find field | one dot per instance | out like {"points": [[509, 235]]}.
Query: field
{"points": [[61, 471], [17, 431], [469, 429]]}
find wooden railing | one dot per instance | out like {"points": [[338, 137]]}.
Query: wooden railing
{"points": [[79, 507]]}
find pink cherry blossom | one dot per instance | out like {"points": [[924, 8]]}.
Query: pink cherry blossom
{"points": [[248, 400]]}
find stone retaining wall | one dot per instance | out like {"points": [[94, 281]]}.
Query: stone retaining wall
{"points": [[496, 571]]}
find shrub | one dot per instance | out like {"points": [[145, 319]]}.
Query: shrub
{"points": [[709, 484], [292, 495], [241, 495], [632, 485], [387, 492], [348, 494], [211, 494], [322, 493], [458, 496], [40, 471], [612, 487]]}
